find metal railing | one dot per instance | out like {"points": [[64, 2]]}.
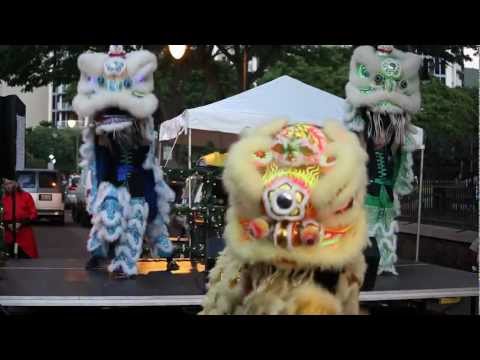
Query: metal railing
{"points": [[449, 203], [63, 124]]}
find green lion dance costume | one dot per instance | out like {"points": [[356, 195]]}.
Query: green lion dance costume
{"points": [[383, 93], [127, 197], [296, 225]]}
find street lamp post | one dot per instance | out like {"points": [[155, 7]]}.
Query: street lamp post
{"points": [[245, 67], [71, 125], [177, 51], [51, 164]]}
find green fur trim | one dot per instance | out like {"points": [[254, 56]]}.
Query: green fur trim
{"points": [[379, 202], [387, 245], [405, 176], [388, 257], [379, 217]]}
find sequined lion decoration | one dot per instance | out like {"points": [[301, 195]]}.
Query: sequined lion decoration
{"points": [[383, 93], [127, 196], [296, 225]]}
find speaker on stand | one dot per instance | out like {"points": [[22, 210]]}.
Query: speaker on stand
{"points": [[12, 144]]}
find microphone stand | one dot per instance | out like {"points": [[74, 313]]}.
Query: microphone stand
{"points": [[14, 221]]}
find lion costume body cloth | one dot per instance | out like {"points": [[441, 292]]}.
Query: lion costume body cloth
{"points": [[296, 226], [383, 93], [127, 196]]}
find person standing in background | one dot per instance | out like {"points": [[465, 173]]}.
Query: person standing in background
{"points": [[25, 213]]}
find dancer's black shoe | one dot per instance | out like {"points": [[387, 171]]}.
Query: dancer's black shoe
{"points": [[93, 263], [172, 266]]}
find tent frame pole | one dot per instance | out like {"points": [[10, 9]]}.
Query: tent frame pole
{"points": [[173, 148], [189, 166], [419, 218]]}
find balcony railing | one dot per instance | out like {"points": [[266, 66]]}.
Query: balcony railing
{"points": [[453, 203], [79, 124]]}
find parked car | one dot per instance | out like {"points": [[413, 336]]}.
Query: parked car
{"points": [[79, 207], [70, 191], [45, 187]]}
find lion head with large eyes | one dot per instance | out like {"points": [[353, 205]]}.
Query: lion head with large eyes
{"points": [[384, 80], [115, 89], [383, 92], [296, 194]]}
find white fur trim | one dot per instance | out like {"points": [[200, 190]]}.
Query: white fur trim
{"points": [[139, 68], [139, 107], [103, 218], [90, 247], [108, 128], [409, 104], [91, 63], [104, 235], [102, 192], [380, 230], [116, 264], [165, 247]]}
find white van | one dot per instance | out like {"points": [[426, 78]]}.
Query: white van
{"points": [[46, 189]]}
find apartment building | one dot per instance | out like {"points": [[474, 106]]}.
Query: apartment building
{"points": [[36, 102]]}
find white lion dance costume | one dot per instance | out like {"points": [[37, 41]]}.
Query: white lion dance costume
{"points": [[296, 225], [383, 93], [128, 199]]}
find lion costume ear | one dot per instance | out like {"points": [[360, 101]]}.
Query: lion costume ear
{"points": [[336, 132], [246, 190], [91, 63], [346, 149], [141, 67]]}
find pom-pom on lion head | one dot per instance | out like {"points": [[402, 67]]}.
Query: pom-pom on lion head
{"points": [[115, 88], [296, 195]]}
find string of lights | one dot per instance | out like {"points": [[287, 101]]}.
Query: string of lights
{"points": [[205, 216]]}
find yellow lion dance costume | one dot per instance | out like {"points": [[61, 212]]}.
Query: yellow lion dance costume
{"points": [[296, 226]]}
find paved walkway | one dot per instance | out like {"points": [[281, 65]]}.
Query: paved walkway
{"points": [[439, 232]]}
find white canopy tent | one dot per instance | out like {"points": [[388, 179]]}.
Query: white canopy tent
{"points": [[284, 97]]}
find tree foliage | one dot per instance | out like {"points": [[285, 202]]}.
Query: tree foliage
{"points": [[193, 81], [208, 73], [450, 119], [323, 67], [32, 66], [42, 141]]}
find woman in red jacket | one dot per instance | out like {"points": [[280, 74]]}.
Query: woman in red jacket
{"points": [[25, 212]]}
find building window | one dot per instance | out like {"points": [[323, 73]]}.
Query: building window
{"points": [[440, 67]]}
